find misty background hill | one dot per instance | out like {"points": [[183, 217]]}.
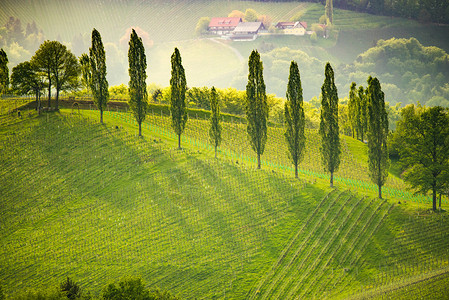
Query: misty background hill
{"points": [[164, 25]]}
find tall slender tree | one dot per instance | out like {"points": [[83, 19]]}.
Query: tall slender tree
{"points": [[329, 11], [86, 73], [294, 117], [138, 96], [4, 72], [378, 160], [98, 82], [215, 119], [352, 108], [178, 95], [329, 131], [256, 106], [362, 111]]}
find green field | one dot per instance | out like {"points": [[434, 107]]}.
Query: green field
{"points": [[96, 203]]}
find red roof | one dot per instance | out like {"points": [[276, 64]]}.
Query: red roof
{"points": [[224, 22], [304, 24]]}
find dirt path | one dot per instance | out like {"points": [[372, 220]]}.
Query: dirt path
{"points": [[237, 53]]}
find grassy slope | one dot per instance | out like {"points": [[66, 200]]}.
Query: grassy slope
{"points": [[97, 203]]}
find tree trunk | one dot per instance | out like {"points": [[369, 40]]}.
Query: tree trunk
{"points": [[332, 179], [440, 201], [215, 151], [49, 92], [57, 99], [140, 127], [39, 103], [296, 170], [101, 119], [179, 141], [258, 160], [380, 191], [434, 199]]}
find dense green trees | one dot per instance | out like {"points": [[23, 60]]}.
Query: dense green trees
{"points": [[202, 26], [329, 131], [413, 72], [423, 10], [215, 118], [423, 138], [178, 86], [138, 102], [134, 289], [98, 82], [25, 78], [60, 66], [256, 106], [125, 289], [4, 72], [294, 117], [378, 161]]}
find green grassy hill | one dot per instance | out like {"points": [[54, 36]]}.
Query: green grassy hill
{"points": [[96, 203]]}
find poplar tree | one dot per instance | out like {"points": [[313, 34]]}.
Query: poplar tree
{"points": [[329, 131], [4, 72], [352, 108], [329, 11], [86, 73], [138, 102], [98, 82], [215, 119], [294, 117], [362, 111], [178, 95], [378, 160], [256, 106]]}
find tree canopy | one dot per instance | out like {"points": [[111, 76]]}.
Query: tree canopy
{"points": [[378, 161], [138, 96], [178, 87], [60, 66], [423, 134], [294, 117], [256, 106], [329, 131], [26, 78], [4, 72], [98, 82]]}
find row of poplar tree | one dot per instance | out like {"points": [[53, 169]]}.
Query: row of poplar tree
{"points": [[367, 106]]}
